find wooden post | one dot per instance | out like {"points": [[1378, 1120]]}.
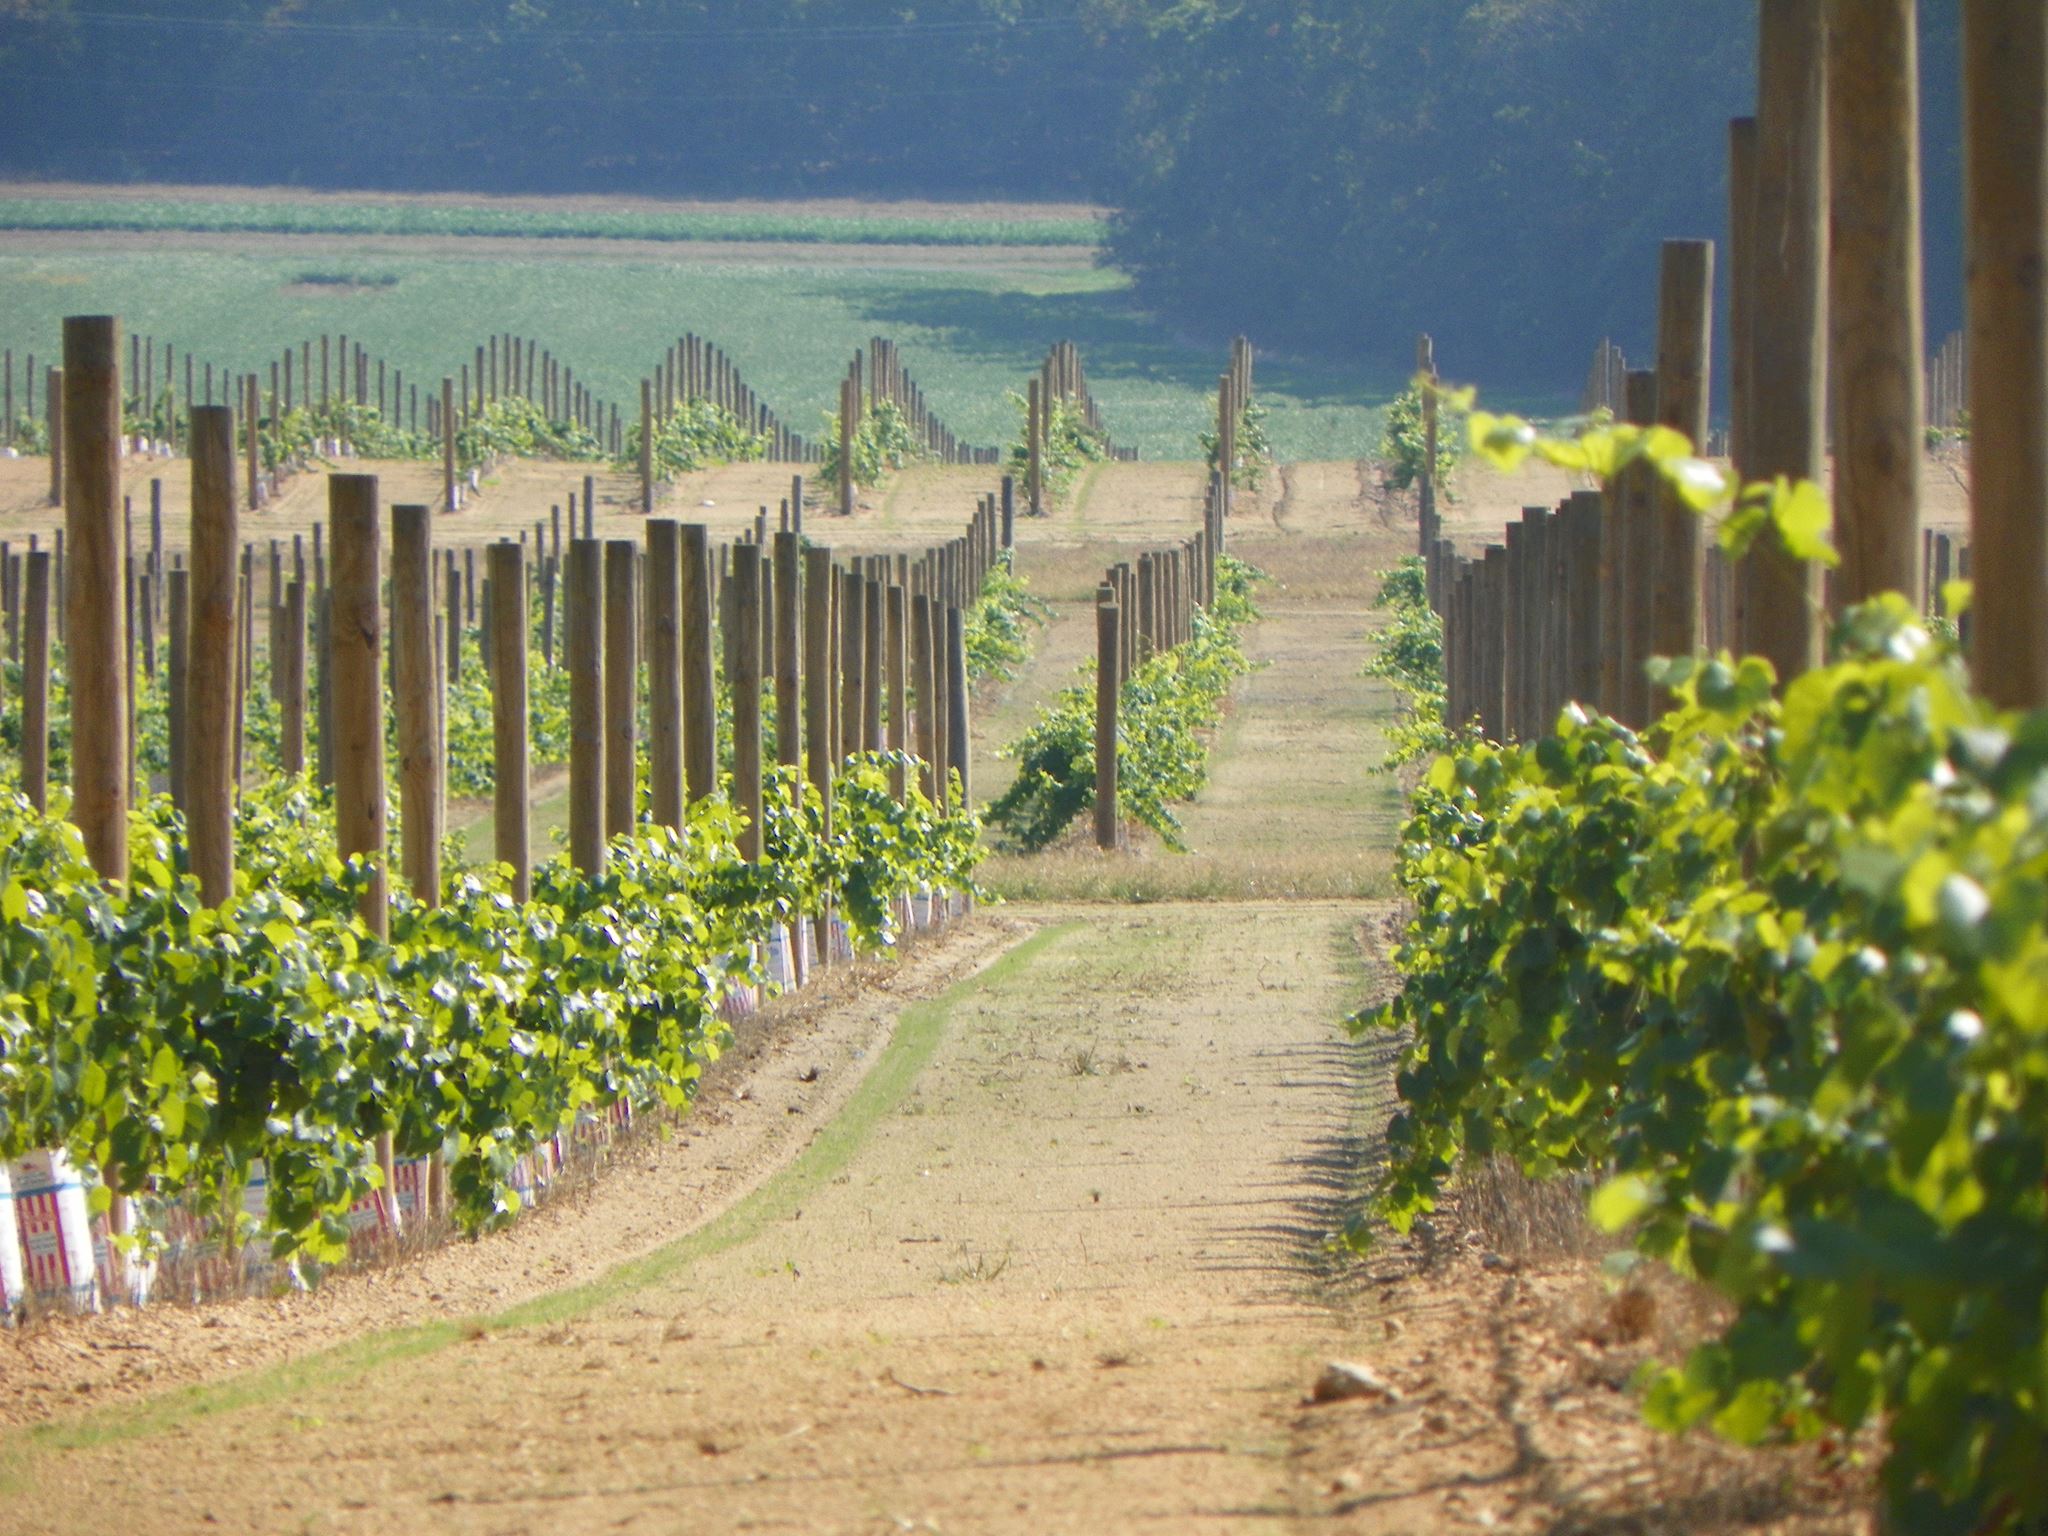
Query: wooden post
{"points": [[53, 423], [1742, 152], [35, 680], [873, 629], [621, 685], [957, 705], [252, 419], [664, 670], [416, 698], [925, 680], [289, 667], [700, 692], [97, 651], [817, 673], [179, 617], [355, 640], [1785, 430], [746, 695], [1034, 470], [449, 499], [1874, 301], [896, 641], [847, 410], [1684, 338], [788, 648], [1108, 638], [512, 799], [1425, 481], [584, 644], [2005, 51], [210, 691], [646, 448], [853, 673]]}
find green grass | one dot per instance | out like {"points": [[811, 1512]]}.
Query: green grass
{"points": [[228, 216], [969, 332]]}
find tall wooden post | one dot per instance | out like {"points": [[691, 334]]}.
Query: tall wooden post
{"points": [[788, 648], [416, 698], [746, 695], [957, 705], [98, 644], [621, 685], [1785, 431], [2005, 117], [853, 673], [1108, 640], [1425, 482], [1034, 433], [53, 426], [449, 499], [35, 681], [512, 796], [210, 691], [1874, 300], [896, 641], [355, 641], [664, 670], [818, 680], [1684, 338], [289, 667], [873, 630], [924, 678], [585, 661], [646, 448], [700, 692]]}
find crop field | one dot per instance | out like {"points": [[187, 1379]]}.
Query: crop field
{"points": [[972, 315], [415, 216]]}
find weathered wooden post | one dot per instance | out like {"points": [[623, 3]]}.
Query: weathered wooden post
{"points": [[449, 497], [1034, 434], [512, 797], [1874, 301], [53, 425], [897, 642], [621, 685], [646, 448], [1784, 432], [873, 630], [584, 646], [664, 670], [1108, 638], [2005, 115], [923, 677], [289, 667], [355, 639], [91, 414], [35, 682], [818, 680], [416, 698], [700, 694], [852, 640], [957, 708], [210, 692], [746, 696], [1684, 338]]}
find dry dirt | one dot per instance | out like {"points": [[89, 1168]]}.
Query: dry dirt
{"points": [[1046, 1249]]}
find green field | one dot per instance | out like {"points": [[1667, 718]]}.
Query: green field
{"points": [[970, 331], [782, 226]]}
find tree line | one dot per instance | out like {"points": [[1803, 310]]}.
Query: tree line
{"points": [[1328, 175]]}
